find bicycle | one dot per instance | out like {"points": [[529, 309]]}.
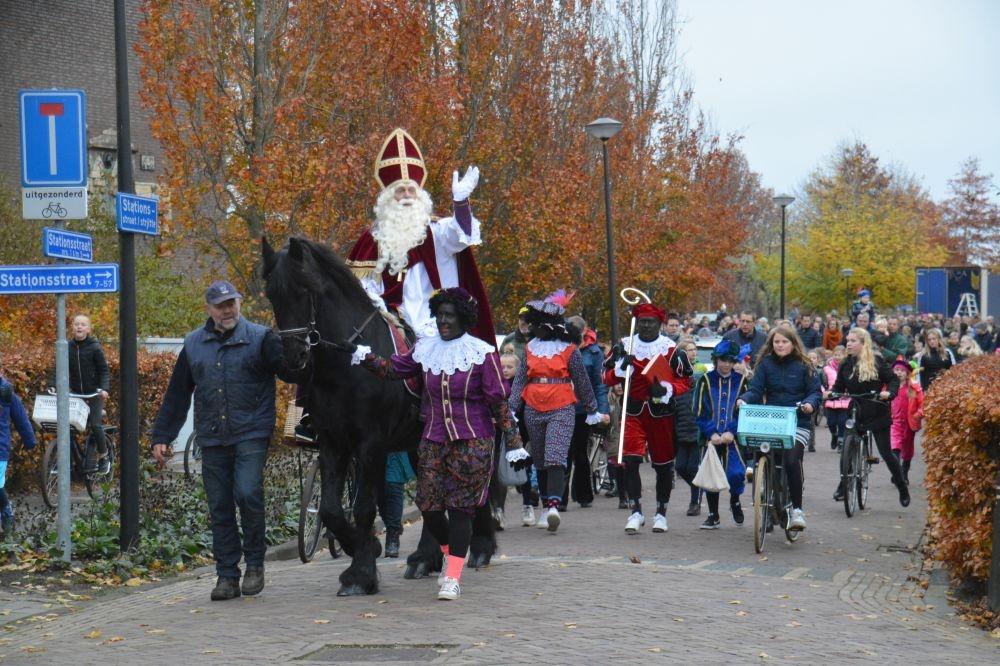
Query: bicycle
{"points": [[769, 431], [600, 479], [856, 457], [49, 469], [192, 455], [54, 208]]}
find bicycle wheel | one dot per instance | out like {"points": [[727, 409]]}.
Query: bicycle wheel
{"points": [[48, 475], [310, 524], [865, 468], [849, 473], [192, 454], [761, 502], [598, 466], [96, 482]]}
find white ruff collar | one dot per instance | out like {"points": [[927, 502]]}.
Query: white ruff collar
{"points": [[449, 356], [547, 348], [644, 351]]}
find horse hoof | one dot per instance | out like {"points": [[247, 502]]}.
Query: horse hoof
{"points": [[351, 591], [415, 571]]}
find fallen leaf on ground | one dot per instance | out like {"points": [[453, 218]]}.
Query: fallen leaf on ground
{"points": [[634, 560], [782, 596], [96, 633], [321, 621], [764, 655], [509, 635], [212, 651], [793, 623], [156, 631], [655, 649], [569, 625], [479, 644], [31, 649], [735, 602], [113, 639], [742, 613], [369, 615], [678, 619], [383, 601], [134, 582]]}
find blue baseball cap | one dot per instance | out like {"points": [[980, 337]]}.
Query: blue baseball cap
{"points": [[221, 291]]}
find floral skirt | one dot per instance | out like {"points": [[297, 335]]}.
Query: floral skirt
{"points": [[453, 475]]}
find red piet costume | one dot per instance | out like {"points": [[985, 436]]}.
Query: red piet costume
{"points": [[443, 259]]}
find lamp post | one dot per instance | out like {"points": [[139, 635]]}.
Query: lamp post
{"points": [[604, 129], [846, 273], [784, 201]]}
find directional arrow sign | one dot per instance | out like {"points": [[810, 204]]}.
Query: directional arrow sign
{"points": [[62, 244], [58, 279]]}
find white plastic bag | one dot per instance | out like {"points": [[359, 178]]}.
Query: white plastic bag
{"points": [[711, 475]]}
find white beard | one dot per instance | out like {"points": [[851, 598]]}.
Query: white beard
{"points": [[398, 229]]}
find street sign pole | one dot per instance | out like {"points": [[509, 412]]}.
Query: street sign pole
{"points": [[63, 530], [128, 402]]}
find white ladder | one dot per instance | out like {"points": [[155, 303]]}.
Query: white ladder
{"points": [[967, 306]]}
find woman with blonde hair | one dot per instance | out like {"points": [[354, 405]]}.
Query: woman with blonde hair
{"points": [[935, 358], [864, 371], [968, 348], [785, 377]]}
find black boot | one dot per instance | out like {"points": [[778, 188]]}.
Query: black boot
{"points": [[904, 494], [226, 588], [906, 471], [253, 581], [392, 542]]}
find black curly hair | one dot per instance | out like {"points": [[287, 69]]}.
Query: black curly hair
{"points": [[466, 307]]}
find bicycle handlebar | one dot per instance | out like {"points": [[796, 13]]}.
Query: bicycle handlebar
{"points": [[84, 396], [867, 395]]}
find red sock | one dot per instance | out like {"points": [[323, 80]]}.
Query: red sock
{"points": [[444, 550], [455, 565]]}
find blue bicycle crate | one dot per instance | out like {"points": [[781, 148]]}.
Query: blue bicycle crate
{"points": [[760, 424]]}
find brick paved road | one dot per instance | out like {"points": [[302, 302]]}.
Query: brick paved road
{"points": [[840, 594]]}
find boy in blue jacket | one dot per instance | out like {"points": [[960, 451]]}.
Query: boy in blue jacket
{"points": [[11, 411]]}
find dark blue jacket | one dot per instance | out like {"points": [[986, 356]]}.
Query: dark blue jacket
{"points": [[12, 411], [685, 426], [593, 360], [231, 376], [715, 402], [756, 341], [784, 382]]}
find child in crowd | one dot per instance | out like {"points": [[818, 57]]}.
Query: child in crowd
{"points": [[398, 472], [11, 412], [498, 491], [907, 413], [835, 410], [509, 362]]}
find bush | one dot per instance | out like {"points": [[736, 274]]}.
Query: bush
{"points": [[961, 447]]}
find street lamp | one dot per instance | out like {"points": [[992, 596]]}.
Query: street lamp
{"points": [[604, 129], [846, 273], [784, 201]]}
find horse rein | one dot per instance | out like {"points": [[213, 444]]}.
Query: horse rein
{"points": [[310, 335]]}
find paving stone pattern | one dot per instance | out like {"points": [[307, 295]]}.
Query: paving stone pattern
{"points": [[847, 592]]}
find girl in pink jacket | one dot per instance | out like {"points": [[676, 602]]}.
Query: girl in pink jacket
{"points": [[907, 413], [835, 410]]}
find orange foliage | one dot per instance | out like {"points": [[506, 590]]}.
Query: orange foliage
{"points": [[961, 448], [504, 84]]}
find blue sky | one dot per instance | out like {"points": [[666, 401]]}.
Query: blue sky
{"points": [[918, 81]]}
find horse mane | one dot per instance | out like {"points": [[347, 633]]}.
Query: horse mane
{"points": [[334, 268]]}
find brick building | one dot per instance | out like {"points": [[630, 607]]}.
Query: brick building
{"points": [[71, 44]]}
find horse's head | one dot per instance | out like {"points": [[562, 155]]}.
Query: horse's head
{"points": [[293, 287]]}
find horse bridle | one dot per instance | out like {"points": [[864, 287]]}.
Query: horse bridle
{"points": [[310, 336]]}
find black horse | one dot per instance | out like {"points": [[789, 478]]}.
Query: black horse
{"points": [[357, 417]]}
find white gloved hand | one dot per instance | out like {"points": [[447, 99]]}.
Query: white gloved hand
{"points": [[669, 394], [359, 354], [462, 188], [595, 418]]}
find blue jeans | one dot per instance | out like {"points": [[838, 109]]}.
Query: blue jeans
{"points": [[234, 477], [390, 506]]}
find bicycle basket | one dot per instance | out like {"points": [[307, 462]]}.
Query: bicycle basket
{"points": [[760, 424], [44, 412]]}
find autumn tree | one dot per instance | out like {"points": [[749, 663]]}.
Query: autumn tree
{"points": [[972, 216], [270, 113], [855, 213]]}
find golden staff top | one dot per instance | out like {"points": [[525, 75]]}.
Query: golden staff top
{"points": [[634, 300]]}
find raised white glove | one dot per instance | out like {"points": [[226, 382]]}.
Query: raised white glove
{"points": [[595, 418], [462, 188], [359, 354]]}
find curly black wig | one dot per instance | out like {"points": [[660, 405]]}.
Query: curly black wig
{"points": [[466, 306], [554, 322]]}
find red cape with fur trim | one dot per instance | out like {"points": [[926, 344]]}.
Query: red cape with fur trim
{"points": [[365, 251]]}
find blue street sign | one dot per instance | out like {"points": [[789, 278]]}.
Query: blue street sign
{"points": [[137, 214], [53, 138], [66, 279], [62, 244]]}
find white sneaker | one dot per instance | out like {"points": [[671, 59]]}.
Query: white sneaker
{"points": [[449, 590], [659, 523], [527, 515], [796, 520], [635, 521], [552, 519], [543, 519]]}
